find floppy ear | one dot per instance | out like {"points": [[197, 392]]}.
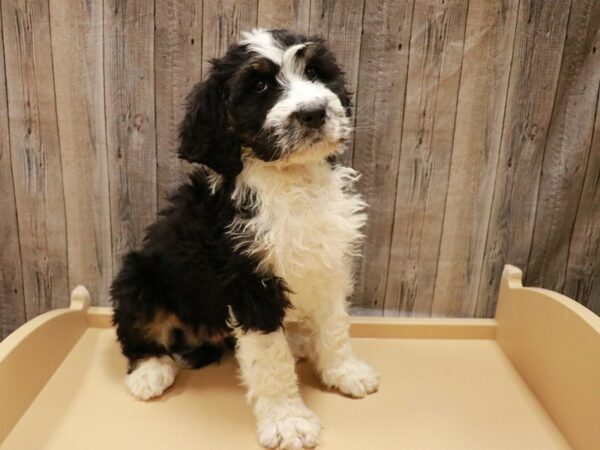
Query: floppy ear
{"points": [[204, 133]]}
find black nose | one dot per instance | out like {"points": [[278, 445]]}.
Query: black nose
{"points": [[312, 117]]}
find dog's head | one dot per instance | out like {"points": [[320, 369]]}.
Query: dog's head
{"points": [[274, 96]]}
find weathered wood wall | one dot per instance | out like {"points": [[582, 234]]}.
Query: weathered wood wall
{"points": [[477, 133]]}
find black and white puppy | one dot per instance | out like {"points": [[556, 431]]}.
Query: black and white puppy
{"points": [[264, 234]]}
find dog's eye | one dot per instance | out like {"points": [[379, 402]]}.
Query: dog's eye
{"points": [[311, 73], [259, 86]]}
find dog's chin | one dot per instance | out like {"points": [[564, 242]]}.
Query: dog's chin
{"points": [[311, 151]]}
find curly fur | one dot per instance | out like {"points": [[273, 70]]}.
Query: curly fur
{"points": [[264, 233]]}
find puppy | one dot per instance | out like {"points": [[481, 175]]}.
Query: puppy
{"points": [[264, 234]]}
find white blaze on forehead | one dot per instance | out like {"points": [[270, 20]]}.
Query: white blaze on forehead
{"points": [[291, 66], [261, 41]]}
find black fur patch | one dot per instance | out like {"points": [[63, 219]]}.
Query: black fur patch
{"points": [[187, 268]]}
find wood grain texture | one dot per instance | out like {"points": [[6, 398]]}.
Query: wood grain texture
{"points": [[289, 14], [428, 131], [340, 23], [539, 41], [480, 112], [477, 136], [382, 87], [222, 24], [79, 82], [35, 153], [583, 269], [12, 302], [130, 120], [567, 148], [177, 67]]}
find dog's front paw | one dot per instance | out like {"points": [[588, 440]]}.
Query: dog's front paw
{"points": [[288, 427], [353, 377], [151, 377]]}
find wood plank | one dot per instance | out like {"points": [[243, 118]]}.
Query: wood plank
{"points": [[583, 269], [340, 23], [428, 132], [222, 24], [130, 121], [35, 153], [12, 302], [177, 67], [481, 104], [567, 148], [382, 85], [539, 40], [79, 83], [284, 14]]}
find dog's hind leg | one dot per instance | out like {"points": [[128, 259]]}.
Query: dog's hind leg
{"points": [[202, 355], [151, 368], [152, 376]]}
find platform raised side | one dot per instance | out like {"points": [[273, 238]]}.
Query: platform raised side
{"points": [[554, 343]]}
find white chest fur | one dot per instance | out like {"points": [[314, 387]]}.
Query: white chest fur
{"points": [[306, 220]]}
